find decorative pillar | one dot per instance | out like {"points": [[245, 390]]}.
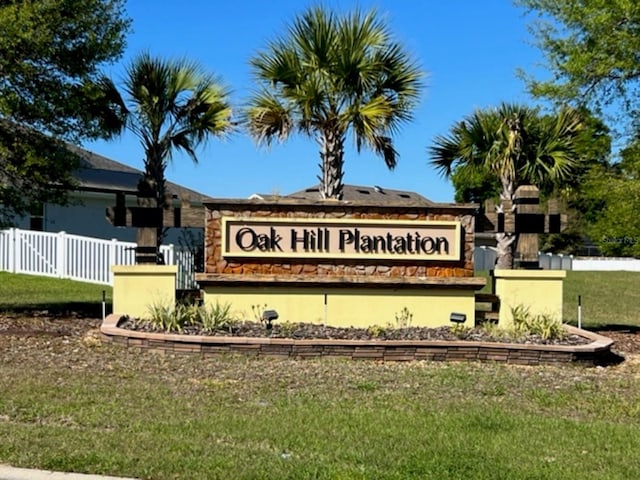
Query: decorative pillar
{"points": [[540, 291], [137, 287]]}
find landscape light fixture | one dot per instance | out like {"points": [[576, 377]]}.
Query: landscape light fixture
{"points": [[458, 317], [269, 316]]}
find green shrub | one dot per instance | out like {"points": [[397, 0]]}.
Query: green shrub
{"points": [[216, 317], [544, 325], [287, 329], [164, 315], [376, 331], [460, 330]]}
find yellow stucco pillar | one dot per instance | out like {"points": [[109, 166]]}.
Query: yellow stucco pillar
{"points": [[540, 291], [136, 287]]}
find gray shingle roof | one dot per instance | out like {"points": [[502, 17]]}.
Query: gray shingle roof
{"points": [[98, 173], [376, 194]]}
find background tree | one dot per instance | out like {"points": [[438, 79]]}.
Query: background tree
{"points": [[50, 58], [170, 106], [474, 184], [478, 184], [575, 193], [518, 145], [330, 75], [613, 202], [591, 48]]}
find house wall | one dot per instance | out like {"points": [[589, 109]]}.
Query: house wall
{"points": [[87, 216]]}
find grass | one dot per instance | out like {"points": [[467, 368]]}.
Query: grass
{"points": [[74, 404], [126, 412], [29, 292], [608, 298]]}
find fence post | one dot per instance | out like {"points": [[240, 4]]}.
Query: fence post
{"points": [[171, 255], [17, 251], [60, 255], [112, 258], [12, 250], [569, 265]]}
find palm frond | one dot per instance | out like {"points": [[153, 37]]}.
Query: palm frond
{"points": [[445, 153], [107, 106], [515, 142], [334, 73], [173, 105], [268, 118], [383, 146]]}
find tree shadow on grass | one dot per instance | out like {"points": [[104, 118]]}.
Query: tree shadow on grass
{"points": [[609, 359], [63, 309], [612, 327]]}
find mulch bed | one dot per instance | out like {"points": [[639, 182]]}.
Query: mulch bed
{"points": [[306, 331], [45, 324]]}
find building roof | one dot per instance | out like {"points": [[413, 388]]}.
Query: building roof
{"points": [[354, 194], [357, 193], [101, 174]]}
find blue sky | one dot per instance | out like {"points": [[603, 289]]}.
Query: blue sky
{"points": [[469, 50]]}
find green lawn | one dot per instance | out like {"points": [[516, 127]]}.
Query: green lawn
{"points": [[608, 298], [74, 404], [90, 408], [29, 292]]}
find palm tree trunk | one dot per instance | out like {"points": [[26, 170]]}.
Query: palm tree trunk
{"points": [[505, 240], [332, 158], [155, 180]]}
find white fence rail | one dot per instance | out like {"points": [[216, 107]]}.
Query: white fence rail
{"points": [[484, 258], [605, 264], [80, 258]]}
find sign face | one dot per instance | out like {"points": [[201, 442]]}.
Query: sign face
{"points": [[341, 239]]}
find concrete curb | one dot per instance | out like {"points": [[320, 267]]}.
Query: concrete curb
{"points": [[13, 473]]}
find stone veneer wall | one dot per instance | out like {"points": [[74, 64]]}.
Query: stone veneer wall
{"points": [[218, 265]]}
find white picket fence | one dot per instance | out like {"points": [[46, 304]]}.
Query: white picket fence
{"points": [[484, 258], [606, 264], [75, 257]]}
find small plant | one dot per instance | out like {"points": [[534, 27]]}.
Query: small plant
{"points": [[495, 331], [174, 318], [404, 318], [257, 310], [216, 317], [376, 331], [544, 325], [287, 329], [459, 330], [164, 315]]}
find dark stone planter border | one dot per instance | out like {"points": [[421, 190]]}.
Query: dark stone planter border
{"points": [[593, 353]]}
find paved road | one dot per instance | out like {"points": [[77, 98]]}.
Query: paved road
{"points": [[12, 473]]}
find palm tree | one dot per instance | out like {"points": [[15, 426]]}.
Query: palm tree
{"points": [[519, 145], [170, 106], [329, 75]]}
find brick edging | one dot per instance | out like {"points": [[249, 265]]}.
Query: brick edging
{"points": [[381, 350]]}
